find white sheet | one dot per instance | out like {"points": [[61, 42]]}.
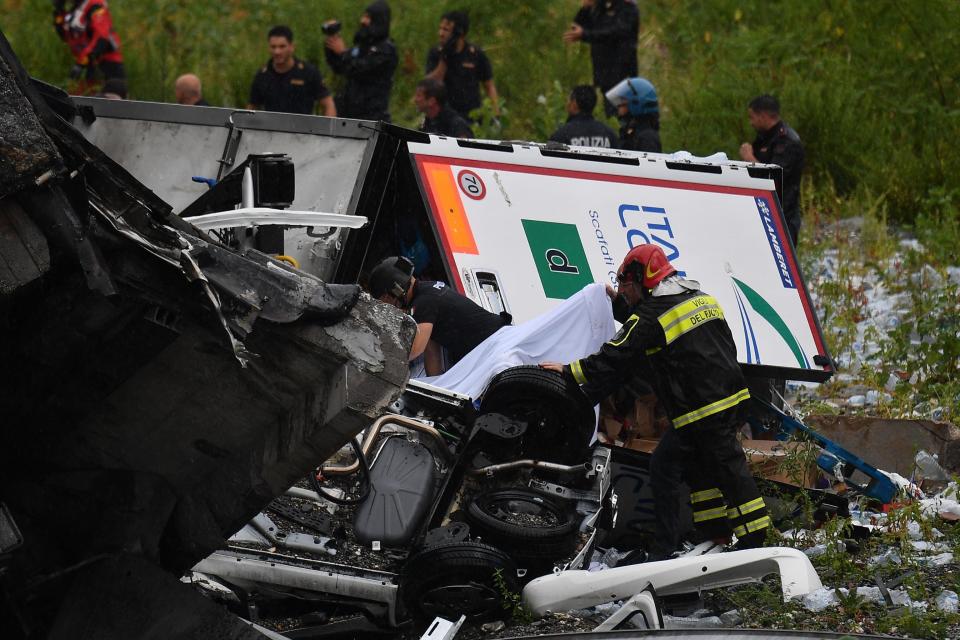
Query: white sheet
{"points": [[575, 328]]}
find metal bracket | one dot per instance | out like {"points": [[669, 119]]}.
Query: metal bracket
{"points": [[232, 144]]}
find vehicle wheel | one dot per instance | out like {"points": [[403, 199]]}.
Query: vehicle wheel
{"points": [[534, 529], [560, 419], [458, 578]]}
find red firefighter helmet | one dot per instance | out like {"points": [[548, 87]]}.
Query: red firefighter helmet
{"points": [[646, 264]]}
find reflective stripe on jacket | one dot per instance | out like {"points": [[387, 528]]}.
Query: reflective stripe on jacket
{"points": [[690, 349]]}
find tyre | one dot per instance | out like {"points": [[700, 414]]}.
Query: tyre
{"points": [[458, 578], [535, 530], [560, 420]]}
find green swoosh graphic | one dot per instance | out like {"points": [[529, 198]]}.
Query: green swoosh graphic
{"points": [[768, 313]]}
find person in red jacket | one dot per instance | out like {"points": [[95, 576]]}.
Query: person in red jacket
{"points": [[86, 26]]}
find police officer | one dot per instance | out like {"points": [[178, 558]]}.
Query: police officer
{"points": [[777, 143], [581, 129], [287, 83], [444, 317], [461, 66], [683, 333], [430, 99], [639, 113], [368, 66], [88, 29], [611, 28]]}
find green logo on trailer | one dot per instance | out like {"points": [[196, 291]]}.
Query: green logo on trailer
{"points": [[559, 256]]}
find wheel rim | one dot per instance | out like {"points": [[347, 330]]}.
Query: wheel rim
{"points": [[470, 598]]}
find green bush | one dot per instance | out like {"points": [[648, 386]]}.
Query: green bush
{"points": [[872, 87]]}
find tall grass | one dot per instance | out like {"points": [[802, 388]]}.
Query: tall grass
{"points": [[871, 86]]}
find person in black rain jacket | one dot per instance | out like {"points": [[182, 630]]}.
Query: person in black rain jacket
{"points": [[368, 66]]}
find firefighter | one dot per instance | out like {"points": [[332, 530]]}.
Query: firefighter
{"points": [[639, 113], [444, 317], [683, 333], [88, 30], [368, 66], [777, 143]]}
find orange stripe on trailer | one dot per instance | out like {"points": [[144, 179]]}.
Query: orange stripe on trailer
{"points": [[450, 213]]}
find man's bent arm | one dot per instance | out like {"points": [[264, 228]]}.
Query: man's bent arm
{"points": [[424, 331]]}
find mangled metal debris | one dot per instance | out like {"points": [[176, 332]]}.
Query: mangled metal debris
{"points": [[133, 441]]}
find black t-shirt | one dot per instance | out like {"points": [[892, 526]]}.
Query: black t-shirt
{"points": [[447, 123], [295, 91], [465, 71], [583, 131], [459, 324]]}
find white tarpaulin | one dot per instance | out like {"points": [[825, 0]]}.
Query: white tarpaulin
{"points": [[575, 328]]}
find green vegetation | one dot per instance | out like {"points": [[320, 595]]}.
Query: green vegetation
{"points": [[872, 87]]}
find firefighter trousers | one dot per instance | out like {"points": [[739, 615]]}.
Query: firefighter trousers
{"points": [[723, 494]]}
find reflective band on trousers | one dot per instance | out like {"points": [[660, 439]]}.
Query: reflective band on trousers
{"points": [[745, 508], [709, 514], [712, 408], [751, 527], [689, 315], [706, 494], [577, 372]]}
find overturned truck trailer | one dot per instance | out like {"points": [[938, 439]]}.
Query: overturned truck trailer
{"points": [[159, 387]]}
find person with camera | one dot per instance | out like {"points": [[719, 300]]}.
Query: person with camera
{"points": [[461, 66], [368, 66], [87, 28], [287, 83]]}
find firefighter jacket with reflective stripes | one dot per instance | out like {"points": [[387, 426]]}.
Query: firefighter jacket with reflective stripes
{"points": [[690, 350]]}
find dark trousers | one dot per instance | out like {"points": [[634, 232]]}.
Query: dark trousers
{"points": [[723, 494], [669, 494]]}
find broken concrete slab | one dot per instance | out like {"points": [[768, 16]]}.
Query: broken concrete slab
{"points": [[890, 444]]}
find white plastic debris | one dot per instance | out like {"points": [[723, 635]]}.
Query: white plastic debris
{"points": [[889, 557], [939, 560], [929, 467], [820, 599], [820, 549], [671, 622], [731, 618], [929, 547], [948, 602], [943, 507]]}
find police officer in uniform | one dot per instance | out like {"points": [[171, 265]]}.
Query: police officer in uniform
{"points": [[777, 143], [681, 331], [444, 317], [611, 28], [639, 113], [430, 99], [368, 66], [88, 30], [581, 129], [461, 66], [287, 83]]}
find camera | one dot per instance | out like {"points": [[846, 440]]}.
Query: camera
{"points": [[331, 28]]}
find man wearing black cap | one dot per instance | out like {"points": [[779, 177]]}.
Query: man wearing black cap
{"points": [[368, 66], [444, 317]]}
